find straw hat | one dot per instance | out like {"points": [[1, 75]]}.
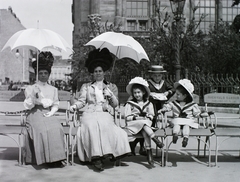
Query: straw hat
{"points": [[187, 85], [156, 69], [140, 81]]}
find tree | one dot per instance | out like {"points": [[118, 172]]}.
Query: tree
{"points": [[235, 3]]}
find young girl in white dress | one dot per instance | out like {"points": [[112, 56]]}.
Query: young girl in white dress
{"points": [[139, 113], [185, 110]]}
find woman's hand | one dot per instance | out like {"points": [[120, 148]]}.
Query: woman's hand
{"points": [[107, 92], [73, 108], [166, 93], [36, 91], [162, 111], [48, 114], [140, 118]]}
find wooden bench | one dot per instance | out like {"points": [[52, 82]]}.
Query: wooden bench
{"points": [[8, 131], [20, 130], [13, 128], [225, 129]]}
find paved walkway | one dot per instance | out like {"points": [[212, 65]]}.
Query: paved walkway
{"points": [[182, 165]]}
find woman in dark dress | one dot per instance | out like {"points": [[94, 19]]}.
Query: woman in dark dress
{"points": [[45, 137]]}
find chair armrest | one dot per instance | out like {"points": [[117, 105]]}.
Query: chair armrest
{"points": [[73, 118], [210, 121], [23, 119], [161, 121]]}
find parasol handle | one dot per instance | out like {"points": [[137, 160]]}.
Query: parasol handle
{"points": [[37, 67], [114, 63]]}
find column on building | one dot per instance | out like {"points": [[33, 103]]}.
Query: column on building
{"points": [[218, 14], [118, 15], [151, 10], [124, 14], [95, 7]]}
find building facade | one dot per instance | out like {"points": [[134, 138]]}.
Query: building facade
{"points": [[13, 67], [137, 17], [61, 70], [16, 65]]}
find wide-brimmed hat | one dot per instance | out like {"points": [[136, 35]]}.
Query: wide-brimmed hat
{"points": [[156, 69], [187, 85], [97, 58], [140, 81]]}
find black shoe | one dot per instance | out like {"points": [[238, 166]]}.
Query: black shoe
{"points": [[57, 164], [184, 142], [98, 165], [142, 151], [158, 143], [132, 146], [175, 138], [150, 158]]}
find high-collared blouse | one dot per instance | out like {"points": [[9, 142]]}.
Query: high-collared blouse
{"points": [[92, 94], [161, 87], [134, 109], [189, 110], [47, 96]]}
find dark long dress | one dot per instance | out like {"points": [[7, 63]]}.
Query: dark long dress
{"points": [[45, 137]]}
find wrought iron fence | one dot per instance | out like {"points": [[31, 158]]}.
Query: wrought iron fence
{"points": [[203, 84]]}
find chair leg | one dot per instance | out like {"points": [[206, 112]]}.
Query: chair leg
{"points": [[198, 139], [166, 160], [163, 161], [67, 145], [23, 144], [207, 140], [209, 152], [19, 150], [73, 144], [216, 151]]}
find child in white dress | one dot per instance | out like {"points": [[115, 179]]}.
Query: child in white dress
{"points": [[139, 113], [185, 110]]}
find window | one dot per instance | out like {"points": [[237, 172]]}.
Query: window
{"points": [[131, 24], [137, 8], [142, 25], [207, 8]]}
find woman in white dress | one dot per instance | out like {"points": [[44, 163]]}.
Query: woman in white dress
{"points": [[99, 137], [45, 137]]}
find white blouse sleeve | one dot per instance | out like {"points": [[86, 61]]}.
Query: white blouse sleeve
{"points": [[128, 113], [30, 100], [196, 111], [55, 104], [83, 97]]}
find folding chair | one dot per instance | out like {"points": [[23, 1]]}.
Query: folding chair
{"points": [[9, 129], [71, 127], [227, 129], [206, 130], [120, 121]]}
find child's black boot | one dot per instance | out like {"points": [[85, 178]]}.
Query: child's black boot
{"points": [[175, 138], [184, 142], [158, 143], [150, 158]]}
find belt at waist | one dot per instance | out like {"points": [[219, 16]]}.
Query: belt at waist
{"points": [[40, 107]]}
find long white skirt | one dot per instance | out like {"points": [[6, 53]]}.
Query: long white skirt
{"points": [[98, 136], [185, 121]]}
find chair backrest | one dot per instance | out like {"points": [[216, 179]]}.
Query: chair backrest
{"points": [[226, 99]]}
